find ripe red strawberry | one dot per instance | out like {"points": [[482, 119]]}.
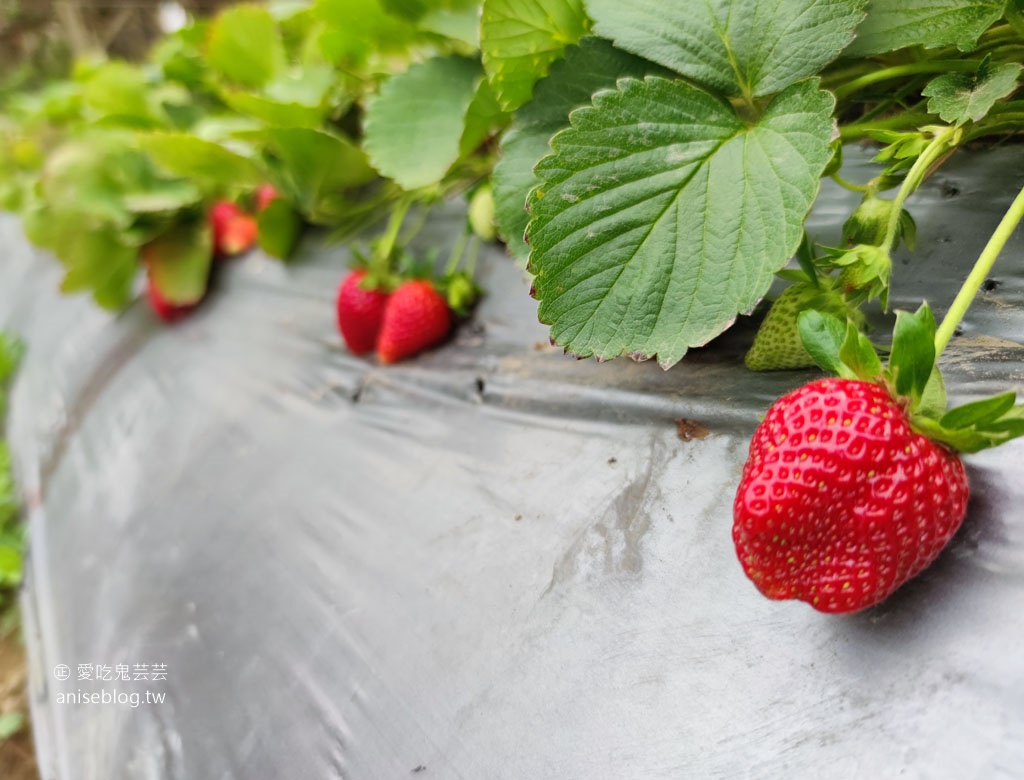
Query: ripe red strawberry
{"points": [[234, 231], [416, 318], [239, 235], [165, 310], [265, 195], [360, 313], [221, 213], [840, 501]]}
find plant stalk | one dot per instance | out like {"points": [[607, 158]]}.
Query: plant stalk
{"points": [[939, 145], [456, 255], [909, 69], [846, 184], [390, 237], [979, 273], [908, 120]]}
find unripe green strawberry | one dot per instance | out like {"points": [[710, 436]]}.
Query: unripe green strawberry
{"points": [[841, 501], [481, 213], [777, 344]]}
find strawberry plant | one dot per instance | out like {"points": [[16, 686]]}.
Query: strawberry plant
{"points": [[260, 113], [651, 164], [853, 485], [12, 537], [669, 163]]}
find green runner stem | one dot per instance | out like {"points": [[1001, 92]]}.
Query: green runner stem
{"points": [[979, 273]]}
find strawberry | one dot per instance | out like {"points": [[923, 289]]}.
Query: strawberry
{"points": [[239, 235], [777, 344], [481, 213], [221, 213], [165, 310], [417, 317], [360, 313], [265, 195], [841, 501], [234, 231]]}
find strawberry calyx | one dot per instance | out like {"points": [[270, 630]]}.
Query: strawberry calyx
{"points": [[912, 378], [379, 272], [460, 291], [911, 375], [864, 272]]}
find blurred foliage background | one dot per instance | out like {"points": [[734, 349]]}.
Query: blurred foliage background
{"points": [[40, 38]]}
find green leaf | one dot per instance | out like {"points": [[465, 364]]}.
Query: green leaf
{"points": [[205, 161], [273, 112], [117, 88], [963, 97], [8, 491], [410, 9], [462, 25], [823, 335], [1015, 15], [737, 47], [427, 103], [10, 565], [520, 40], [483, 117], [312, 168], [357, 28], [859, 356], [280, 228], [907, 230], [897, 24], [979, 412], [245, 46], [933, 400], [913, 352], [592, 65], [97, 260], [11, 351], [90, 176], [805, 258], [866, 270], [1010, 423], [179, 261], [980, 434], [10, 724], [662, 214]]}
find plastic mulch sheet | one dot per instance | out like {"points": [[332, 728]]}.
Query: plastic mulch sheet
{"points": [[254, 556]]}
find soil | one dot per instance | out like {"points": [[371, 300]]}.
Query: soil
{"points": [[17, 754]]}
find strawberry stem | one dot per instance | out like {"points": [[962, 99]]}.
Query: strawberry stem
{"points": [[474, 253], [909, 120], [417, 225], [456, 255], [943, 141], [846, 184], [898, 71], [979, 273], [387, 242]]}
